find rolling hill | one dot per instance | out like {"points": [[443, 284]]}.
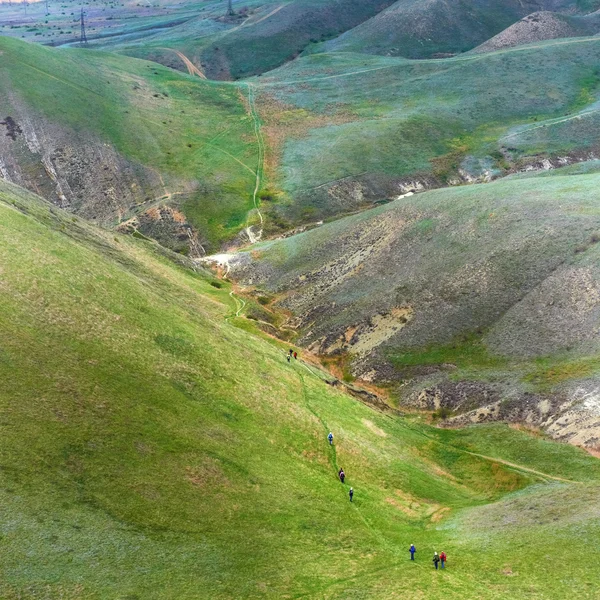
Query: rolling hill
{"points": [[155, 445], [481, 299], [423, 29], [256, 41], [348, 130]]}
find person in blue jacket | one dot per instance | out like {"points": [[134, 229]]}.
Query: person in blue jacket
{"points": [[412, 551], [330, 438]]}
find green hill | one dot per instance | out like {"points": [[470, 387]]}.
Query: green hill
{"points": [[127, 142], [152, 447], [346, 130], [113, 138], [257, 39]]}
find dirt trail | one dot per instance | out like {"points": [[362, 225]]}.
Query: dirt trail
{"points": [[552, 122], [267, 16], [239, 306], [191, 67], [520, 467], [252, 236]]}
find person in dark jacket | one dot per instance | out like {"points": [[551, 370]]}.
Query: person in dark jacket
{"points": [[436, 559], [351, 494], [412, 551], [443, 558], [342, 475], [330, 438]]}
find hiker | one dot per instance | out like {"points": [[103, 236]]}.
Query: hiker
{"points": [[436, 559], [288, 357], [296, 355], [291, 352], [351, 494], [330, 438], [412, 551], [342, 475], [443, 558]]}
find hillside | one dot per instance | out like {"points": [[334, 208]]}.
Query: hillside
{"points": [[422, 29], [541, 26], [113, 139], [347, 130], [483, 296], [255, 41], [153, 447], [178, 158]]}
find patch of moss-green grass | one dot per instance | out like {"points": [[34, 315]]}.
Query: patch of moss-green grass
{"points": [[468, 353], [546, 373]]}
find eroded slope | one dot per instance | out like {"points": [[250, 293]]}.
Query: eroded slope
{"points": [[481, 295], [117, 140]]}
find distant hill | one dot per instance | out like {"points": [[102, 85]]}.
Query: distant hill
{"points": [[541, 26], [426, 28], [262, 39]]}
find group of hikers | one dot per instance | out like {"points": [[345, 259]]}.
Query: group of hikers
{"points": [[437, 558], [341, 474]]}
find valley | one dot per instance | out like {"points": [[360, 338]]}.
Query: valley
{"points": [[404, 194]]}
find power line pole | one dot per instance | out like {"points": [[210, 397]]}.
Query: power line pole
{"points": [[83, 39], [230, 7], [47, 9]]}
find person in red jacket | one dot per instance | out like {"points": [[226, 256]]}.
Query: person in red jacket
{"points": [[443, 558]]}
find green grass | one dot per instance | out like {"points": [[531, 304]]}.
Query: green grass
{"points": [[151, 449], [468, 353]]}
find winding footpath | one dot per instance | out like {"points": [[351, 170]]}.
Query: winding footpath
{"points": [[252, 236]]}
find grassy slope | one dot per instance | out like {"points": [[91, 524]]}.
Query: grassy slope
{"points": [[419, 29], [150, 449], [341, 117], [195, 134]]}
